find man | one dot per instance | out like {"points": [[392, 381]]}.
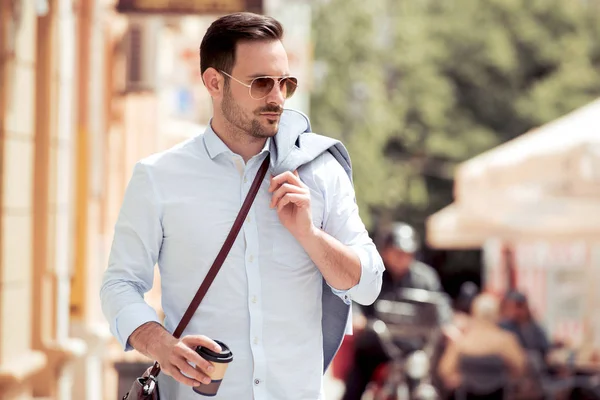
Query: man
{"points": [[518, 320], [398, 247], [268, 303]]}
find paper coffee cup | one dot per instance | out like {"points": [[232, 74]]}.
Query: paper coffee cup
{"points": [[220, 361]]}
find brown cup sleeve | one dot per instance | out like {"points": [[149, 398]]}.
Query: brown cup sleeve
{"points": [[208, 390]]}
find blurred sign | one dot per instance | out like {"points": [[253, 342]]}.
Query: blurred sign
{"points": [[188, 6]]}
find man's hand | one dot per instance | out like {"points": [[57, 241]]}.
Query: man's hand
{"points": [[175, 355], [291, 197]]}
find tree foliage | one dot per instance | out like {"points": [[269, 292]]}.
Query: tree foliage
{"points": [[414, 87]]}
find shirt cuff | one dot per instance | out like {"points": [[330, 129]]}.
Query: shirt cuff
{"points": [[129, 319], [346, 295]]}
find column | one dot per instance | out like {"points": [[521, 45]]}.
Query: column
{"points": [[18, 361]]}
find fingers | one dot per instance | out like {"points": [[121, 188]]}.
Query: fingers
{"points": [[191, 356], [175, 371], [287, 177], [189, 350], [193, 373], [283, 190], [192, 341], [299, 200], [183, 354]]}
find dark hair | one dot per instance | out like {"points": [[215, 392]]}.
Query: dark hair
{"points": [[220, 41], [517, 297]]}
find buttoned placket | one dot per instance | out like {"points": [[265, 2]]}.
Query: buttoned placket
{"points": [[250, 232]]}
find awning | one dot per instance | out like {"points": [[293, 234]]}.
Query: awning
{"points": [[551, 218], [455, 228], [563, 155]]}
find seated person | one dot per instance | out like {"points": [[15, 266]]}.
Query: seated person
{"points": [[517, 319], [481, 363], [397, 248]]}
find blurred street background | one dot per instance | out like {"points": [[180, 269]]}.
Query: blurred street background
{"points": [[476, 122]]}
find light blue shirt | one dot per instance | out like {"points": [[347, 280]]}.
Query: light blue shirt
{"points": [[265, 303]]}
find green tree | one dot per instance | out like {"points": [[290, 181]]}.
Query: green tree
{"points": [[414, 87]]}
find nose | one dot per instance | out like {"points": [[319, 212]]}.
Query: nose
{"points": [[276, 96]]}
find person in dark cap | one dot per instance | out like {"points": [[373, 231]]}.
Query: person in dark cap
{"points": [[518, 320], [398, 246]]}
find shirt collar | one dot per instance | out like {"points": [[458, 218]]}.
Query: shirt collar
{"points": [[215, 146]]}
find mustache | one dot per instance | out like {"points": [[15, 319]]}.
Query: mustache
{"points": [[270, 109]]}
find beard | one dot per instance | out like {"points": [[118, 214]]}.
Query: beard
{"points": [[234, 114]]}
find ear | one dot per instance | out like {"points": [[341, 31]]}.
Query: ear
{"points": [[214, 82]]}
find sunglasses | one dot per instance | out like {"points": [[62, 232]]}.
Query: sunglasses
{"points": [[261, 86]]}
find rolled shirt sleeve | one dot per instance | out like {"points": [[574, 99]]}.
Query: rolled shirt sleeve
{"points": [[343, 222], [134, 253]]}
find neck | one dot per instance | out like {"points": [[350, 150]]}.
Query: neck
{"points": [[238, 141]]}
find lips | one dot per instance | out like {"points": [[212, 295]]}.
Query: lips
{"points": [[274, 115]]}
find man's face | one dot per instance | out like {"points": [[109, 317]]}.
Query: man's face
{"points": [[515, 311], [258, 118], [509, 310], [396, 261]]}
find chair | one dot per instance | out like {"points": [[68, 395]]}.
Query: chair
{"points": [[484, 377]]}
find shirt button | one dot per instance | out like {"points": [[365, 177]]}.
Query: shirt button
{"points": [[251, 258], [255, 340], [248, 218], [254, 299], [245, 180], [257, 381]]}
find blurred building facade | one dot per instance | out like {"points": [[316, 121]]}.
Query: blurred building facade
{"points": [[85, 92], [54, 98]]}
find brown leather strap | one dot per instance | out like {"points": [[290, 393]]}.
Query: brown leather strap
{"points": [[212, 273]]}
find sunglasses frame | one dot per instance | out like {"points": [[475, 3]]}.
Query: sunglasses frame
{"points": [[276, 79]]}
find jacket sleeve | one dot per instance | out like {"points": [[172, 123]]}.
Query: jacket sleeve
{"points": [[343, 222], [134, 253]]}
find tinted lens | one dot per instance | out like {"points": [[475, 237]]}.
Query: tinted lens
{"points": [[261, 87], [288, 86]]}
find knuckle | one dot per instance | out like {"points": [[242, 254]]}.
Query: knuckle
{"points": [[192, 356]]}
